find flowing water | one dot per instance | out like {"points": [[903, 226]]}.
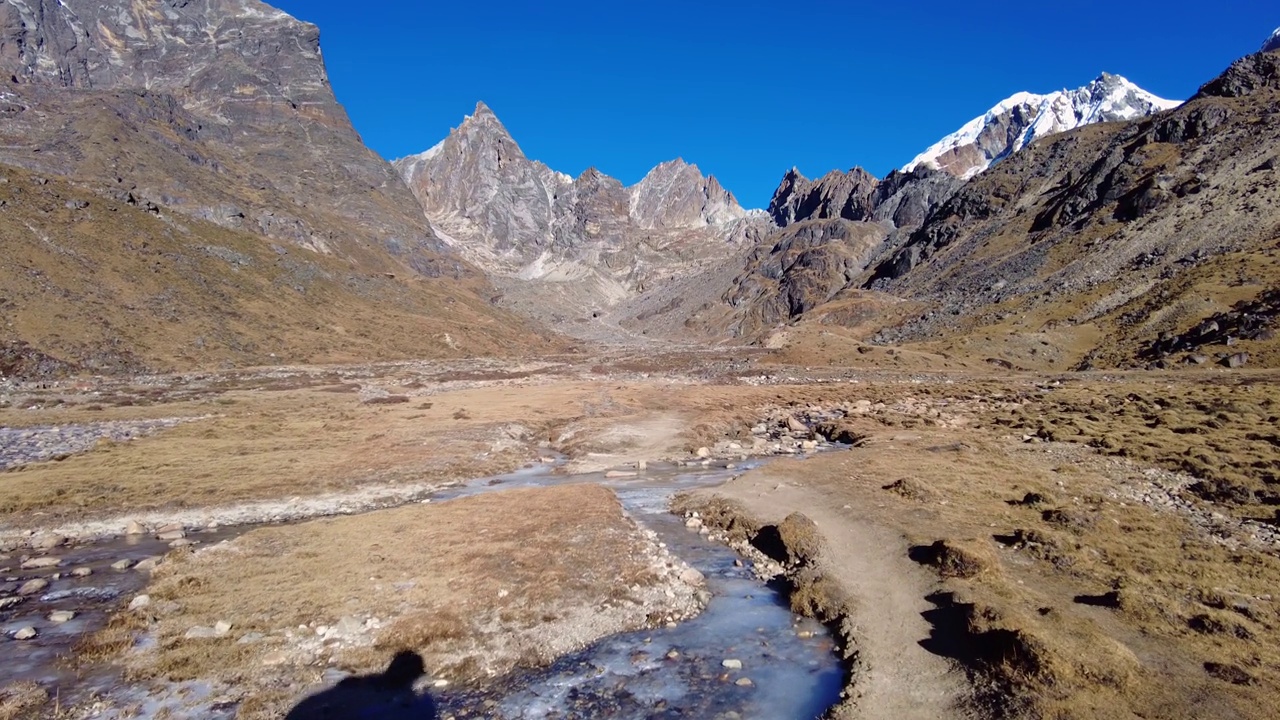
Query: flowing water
{"points": [[785, 665]]}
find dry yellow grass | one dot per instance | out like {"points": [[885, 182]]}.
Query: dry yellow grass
{"points": [[476, 585]]}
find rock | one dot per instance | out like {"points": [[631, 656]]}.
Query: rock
{"points": [[9, 602], [221, 628], [703, 452], [140, 602], [61, 616], [182, 542], [743, 682], [795, 425], [135, 528], [124, 564], [171, 535], [1237, 360], [41, 563], [274, 659], [691, 576], [25, 633], [250, 638], [613, 474], [809, 445], [673, 654], [693, 523], [200, 632], [642, 466], [47, 542], [148, 564], [81, 572], [31, 587], [731, 664], [170, 527]]}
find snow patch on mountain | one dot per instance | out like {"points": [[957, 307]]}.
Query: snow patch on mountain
{"points": [[1273, 42], [1024, 117]]}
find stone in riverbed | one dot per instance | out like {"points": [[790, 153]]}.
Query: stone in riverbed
{"points": [[743, 682], [81, 572], [171, 535], [47, 542], [731, 664], [182, 542], [8, 602], [135, 528], [691, 576], [703, 452], [148, 564], [31, 587], [25, 633], [41, 563], [61, 616], [613, 474], [124, 564]]}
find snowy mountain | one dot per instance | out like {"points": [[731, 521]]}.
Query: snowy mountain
{"points": [[1018, 120], [1273, 42]]}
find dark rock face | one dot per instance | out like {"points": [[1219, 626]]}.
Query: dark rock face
{"points": [[220, 109], [1246, 76], [836, 195]]}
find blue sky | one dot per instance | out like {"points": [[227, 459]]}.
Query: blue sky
{"points": [[746, 89]]}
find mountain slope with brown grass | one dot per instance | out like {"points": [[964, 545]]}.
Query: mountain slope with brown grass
{"points": [[1095, 247], [98, 285]]}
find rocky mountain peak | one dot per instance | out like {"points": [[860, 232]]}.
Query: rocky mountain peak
{"points": [[837, 194], [677, 194], [1024, 117]]}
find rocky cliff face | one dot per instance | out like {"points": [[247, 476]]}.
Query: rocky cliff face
{"points": [[190, 111], [220, 109], [1023, 118], [571, 250]]}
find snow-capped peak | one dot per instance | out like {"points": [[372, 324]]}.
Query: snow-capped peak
{"points": [[1023, 117], [1273, 42]]}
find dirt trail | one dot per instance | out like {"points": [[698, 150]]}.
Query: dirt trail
{"points": [[896, 676]]}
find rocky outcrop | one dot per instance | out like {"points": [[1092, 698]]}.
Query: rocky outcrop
{"points": [[218, 109], [836, 195], [1023, 118]]}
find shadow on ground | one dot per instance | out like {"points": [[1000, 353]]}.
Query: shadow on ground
{"points": [[388, 695]]}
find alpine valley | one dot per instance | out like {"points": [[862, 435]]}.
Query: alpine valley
{"points": [[291, 430]]}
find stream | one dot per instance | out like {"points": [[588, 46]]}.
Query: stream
{"points": [[785, 665]]}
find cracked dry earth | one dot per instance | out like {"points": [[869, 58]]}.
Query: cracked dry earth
{"points": [[978, 545]]}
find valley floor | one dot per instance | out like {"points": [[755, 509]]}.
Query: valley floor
{"points": [[1022, 545]]}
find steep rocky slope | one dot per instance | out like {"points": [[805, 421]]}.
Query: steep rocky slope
{"points": [[220, 111], [1019, 120], [575, 252], [1103, 245]]}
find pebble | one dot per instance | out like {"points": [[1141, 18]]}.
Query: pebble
{"points": [[140, 602], [61, 616], [81, 572], [221, 628], [743, 682], [731, 664], [122, 564], [674, 654], [25, 633], [31, 587], [148, 565]]}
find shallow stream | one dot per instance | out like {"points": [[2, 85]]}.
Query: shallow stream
{"points": [[785, 666]]}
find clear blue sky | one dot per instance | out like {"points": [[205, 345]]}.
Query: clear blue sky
{"points": [[746, 89]]}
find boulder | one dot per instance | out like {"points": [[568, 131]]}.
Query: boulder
{"points": [[31, 587]]}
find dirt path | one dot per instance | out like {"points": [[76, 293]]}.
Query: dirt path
{"points": [[896, 677]]}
